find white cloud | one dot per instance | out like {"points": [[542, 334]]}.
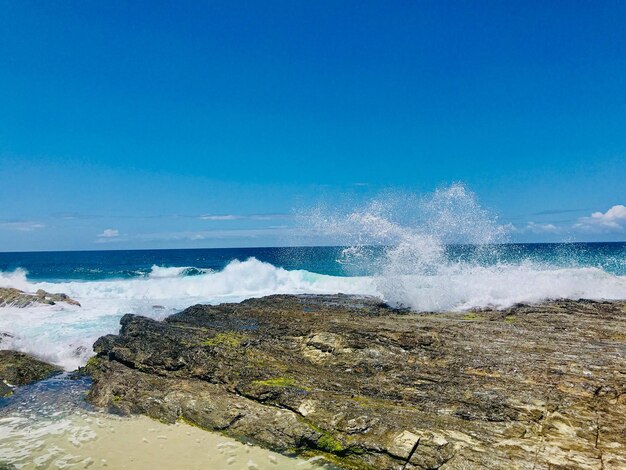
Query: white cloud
{"points": [[541, 228], [244, 217], [532, 227], [613, 220], [109, 233], [279, 231], [72, 216], [22, 226], [220, 217]]}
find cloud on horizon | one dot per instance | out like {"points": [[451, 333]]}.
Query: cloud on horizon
{"points": [[22, 225], [613, 220], [534, 228], [541, 228], [73, 216], [109, 233], [244, 217], [220, 217], [217, 217], [279, 231]]}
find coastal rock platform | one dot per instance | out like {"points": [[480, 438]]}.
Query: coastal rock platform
{"points": [[368, 386]]}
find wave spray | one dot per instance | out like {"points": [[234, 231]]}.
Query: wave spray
{"points": [[443, 251]]}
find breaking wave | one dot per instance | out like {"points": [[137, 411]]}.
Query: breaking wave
{"points": [[64, 334], [157, 272]]}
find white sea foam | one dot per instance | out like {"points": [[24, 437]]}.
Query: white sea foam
{"points": [[64, 333], [465, 286]]}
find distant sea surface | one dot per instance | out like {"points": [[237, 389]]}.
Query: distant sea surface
{"points": [[157, 283], [59, 266]]}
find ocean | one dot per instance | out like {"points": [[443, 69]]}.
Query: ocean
{"points": [[157, 283]]}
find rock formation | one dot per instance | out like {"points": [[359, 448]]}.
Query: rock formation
{"points": [[367, 386], [11, 297], [17, 369]]}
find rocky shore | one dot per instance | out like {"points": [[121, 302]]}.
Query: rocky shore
{"points": [[367, 386], [17, 368], [11, 297]]}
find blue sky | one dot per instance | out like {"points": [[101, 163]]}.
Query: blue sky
{"points": [[198, 124]]}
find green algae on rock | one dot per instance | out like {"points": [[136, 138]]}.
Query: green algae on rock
{"points": [[17, 368], [367, 386]]}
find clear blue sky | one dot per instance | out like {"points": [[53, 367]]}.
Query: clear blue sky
{"points": [[122, 124]]}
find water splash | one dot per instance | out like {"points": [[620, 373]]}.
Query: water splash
{"points": [[443, 251]]}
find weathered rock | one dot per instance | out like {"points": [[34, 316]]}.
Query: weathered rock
{"points": [[11, 297], [532, 387], [17, 368]]}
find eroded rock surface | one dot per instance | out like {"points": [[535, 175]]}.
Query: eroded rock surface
{"points": [[17, 368], [11, 297], [533, 387]]}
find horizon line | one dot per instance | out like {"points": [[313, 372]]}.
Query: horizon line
{"points": [[305, 246]]}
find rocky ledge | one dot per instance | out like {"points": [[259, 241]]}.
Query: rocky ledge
{"points": [[17, 369], [11, 297], [367, 386]]}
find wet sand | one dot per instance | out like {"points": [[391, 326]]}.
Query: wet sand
{"points": [[49, 426], [97, 440]]}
